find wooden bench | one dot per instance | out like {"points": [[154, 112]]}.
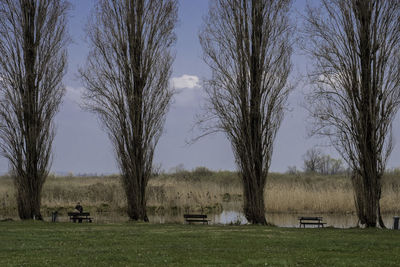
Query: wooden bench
{"points": [[79, 217], [311, 221], [193, 218]]}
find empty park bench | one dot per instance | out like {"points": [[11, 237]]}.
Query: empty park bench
{"points": [[311, 221], [192, 218], [79, 217]]}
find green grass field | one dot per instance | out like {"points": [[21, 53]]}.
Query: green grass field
{"points": [[135, 244]]}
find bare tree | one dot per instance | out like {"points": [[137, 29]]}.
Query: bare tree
{"points": [[33, 38], [247, 45], [312, 160], [355, 47], [331, 166], [317, 162], [126, 79]]}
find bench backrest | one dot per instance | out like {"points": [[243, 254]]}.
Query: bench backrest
{"points": [[311, 218], [201, 216], [78, 214]]}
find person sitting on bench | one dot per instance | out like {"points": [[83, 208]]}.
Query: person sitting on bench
{"points": [[79, 208]]}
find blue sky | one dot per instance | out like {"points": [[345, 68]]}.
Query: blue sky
{"points": [[81, 146]]}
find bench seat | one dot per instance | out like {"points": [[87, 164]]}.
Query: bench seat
{"points": [[193, 218], [303, 221], [79, 217], [313, 223]]}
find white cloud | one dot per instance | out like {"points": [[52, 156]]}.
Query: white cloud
{"points": [[183, 96], [74, 94], [186, 81]]}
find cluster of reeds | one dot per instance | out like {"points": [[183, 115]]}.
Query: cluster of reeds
{"points": [[199, 190]]}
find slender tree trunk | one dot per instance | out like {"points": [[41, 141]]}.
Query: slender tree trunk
{"points": [[254, 191], [136, 199], [254, 207], [359, 198], [367, 201], [28, 201], [369, 115], [371, 200]]}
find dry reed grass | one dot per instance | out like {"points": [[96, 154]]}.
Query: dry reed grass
{"points": [[311, 194], [199, 190]]}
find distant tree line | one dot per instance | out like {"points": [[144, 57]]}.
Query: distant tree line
{"points": [[316, 162]]}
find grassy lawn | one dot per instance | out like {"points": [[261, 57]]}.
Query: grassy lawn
{"points": [[41, 243]]}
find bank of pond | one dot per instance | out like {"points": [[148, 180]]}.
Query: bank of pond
{"points": [[225, 217]]}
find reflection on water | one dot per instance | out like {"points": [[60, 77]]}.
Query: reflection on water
{"points": [[229, 217], [236, 217]]}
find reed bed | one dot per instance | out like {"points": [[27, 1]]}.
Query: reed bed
{"points": [[204, 190]]}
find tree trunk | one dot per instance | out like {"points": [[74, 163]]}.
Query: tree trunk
{"points": [[254, 207], [29, 204], [372, 199], [367, 201], [137, 208], [358, 197], [136, 200]]}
